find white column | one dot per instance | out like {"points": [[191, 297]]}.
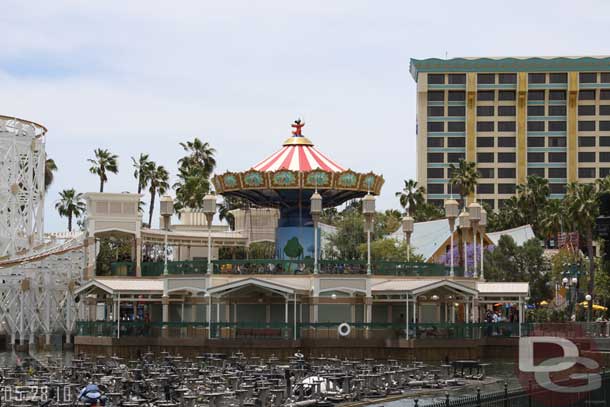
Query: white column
{"points": [[118, 316], [294, 316], [465, 256], [209, 315], [519, 315], [482, 275], [407, 315], [452, 273], [474, 251], [286, 310]]}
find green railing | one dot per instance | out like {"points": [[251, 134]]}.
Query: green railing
{"points": [[123, 268], [175, 267]]}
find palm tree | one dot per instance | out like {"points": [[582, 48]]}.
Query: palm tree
{"points": [[104, 163], [411, 196], [70, 204], [142, 168], [532, 197], [553, 218], [49, 168], [603, 184], [159, 184], [200, 155], [465, 176]]}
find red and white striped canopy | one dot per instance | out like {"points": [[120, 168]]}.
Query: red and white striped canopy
{"points": [[298, 154]]}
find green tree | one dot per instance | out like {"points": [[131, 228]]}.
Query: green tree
{"points": [[194, 171], [533, 196], [411, 196], [158, 181], [70, 205], [142, 169], [465, 177], [389, 250], [50, 167], [293, 248], [103, 163], [553, 218], [427, 212]]}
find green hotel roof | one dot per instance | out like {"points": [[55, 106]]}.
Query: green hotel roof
{"points": [[511, 64]]}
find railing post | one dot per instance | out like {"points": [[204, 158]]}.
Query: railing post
{"points": [[529, 394], [478, 397], [416, 403], [505, 394], [446, 399]]}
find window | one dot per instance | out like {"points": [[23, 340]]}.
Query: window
{"points": [[436, 79], [455, 157], [486, 78], [507, 111], [535, 95], [536, 171], [436, 142], [436, 111], [604, 172], [436, 172], [604, 94], [555, 110], [457, 95], [557, 95], [485, 188], [557, 172], [557, 126], [486, 172], [536, 78], [506, 157], [535, 110], [586, 110], [586, 125], [457, 78], [501, 203], [456, 126], [604, 110], [535, 141], [485, 157], [604, 125], [436, 126], [604, 157], [436, 188], [485, 110], [485, 126], [557, 157], [586, 94], [506, 188], [485, 141], [588, 141], [535, 126], [456, 141], [507, 172], [507, 78], [456, 111], [485, 95], [605, 77], [586, 157], [507, 126], [507, 141], [535, 157], [586, 173], [436, 96], [436, 157], [557, 142], [507, 95], [604, 141], [557, 188], [558, 78], [587, 77], [488, 202]]}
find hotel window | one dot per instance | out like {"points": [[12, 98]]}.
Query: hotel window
{"points": [[535, 141], [586, 95], [587, 77], [507, 157], [486, 78], [486, 172], [604, 125], [485, 110], [588, 141], [507, 126], [557, 95], [535, 126], [535, 95], [436, 172], [485, 95], [507, 142], [604, 157], [557, 126], [506, 95], [455, 157], [436, 96], [604, 141], [586, 125], [456, 126], [557, 157], [507, 172], [557, 172], [558, 78], [485, 141], [604, 110], [457, 95], [555, 110], [501, 203], [557, 142], [535, 157], [536, 171], [586, 173], [456, 111], [436, 111], [605, 77], [485, 157], [507, 110], [436, 157], [488, 202], [586, 157], [535, 110], [436, 188], [436, 126], [604, 172], [456, 141], [436, 79], [507, 78], [604, 94], [506, 188], [485, 188], [457, 78], [557, 188], [485, 126], [586, 110], [436, 142], [536, 78]]}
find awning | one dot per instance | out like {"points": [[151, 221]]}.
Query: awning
{"points": [[123, 286]]}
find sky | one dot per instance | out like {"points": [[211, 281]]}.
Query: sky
{"points": [[141, 76]]}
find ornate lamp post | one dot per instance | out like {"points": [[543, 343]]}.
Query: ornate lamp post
{"points": [[368, 210], [474, 210], [316, 211], [166, 210], [452, 209], [589, 306], [482, 226], [407, 228], [464, 225], [209, 209]]}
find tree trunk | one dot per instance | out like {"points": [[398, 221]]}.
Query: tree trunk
{"points": [[152, 207], [101, 184], [70, 222], [591, 268]]}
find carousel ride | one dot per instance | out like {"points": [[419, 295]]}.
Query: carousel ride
{"points": [[287, 180]]}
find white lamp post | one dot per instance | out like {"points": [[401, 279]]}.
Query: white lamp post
{"points": [[451, 212], [209, 209], [474, 210], [589, 306], [166, 210], [368, 210], [464, 225], [316, 211], [482, 226], [407, 228]]}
